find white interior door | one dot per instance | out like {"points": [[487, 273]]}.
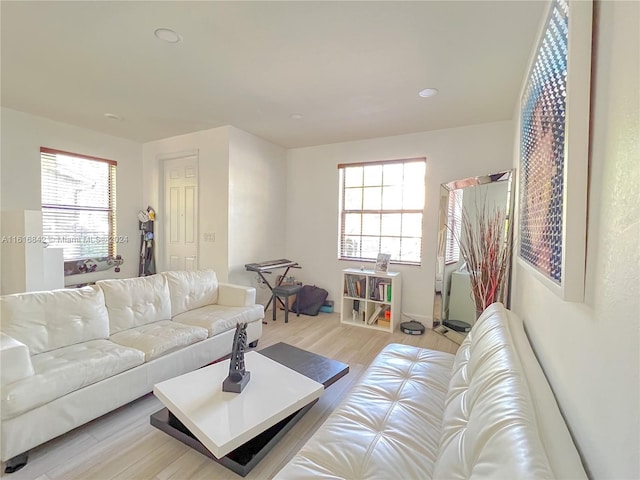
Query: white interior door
{"points": [[181, 210]]}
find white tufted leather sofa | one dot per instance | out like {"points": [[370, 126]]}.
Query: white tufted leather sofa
{"points": [[68, 356], [416, 414]]}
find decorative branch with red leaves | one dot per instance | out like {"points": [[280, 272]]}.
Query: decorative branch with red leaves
{"points": [[485, 245]]}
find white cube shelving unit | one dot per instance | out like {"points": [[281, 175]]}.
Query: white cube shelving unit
{"points": [[366, 295]]}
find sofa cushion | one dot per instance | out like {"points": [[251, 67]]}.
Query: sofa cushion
{"points": [[388, 423], [62, 371], [191, 290], [132, 302], [219, 318], [46, 321], [489, 418], [159, 338]]}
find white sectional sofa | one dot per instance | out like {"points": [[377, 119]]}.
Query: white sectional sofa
{"points": [[487, 413], [68, 356]]}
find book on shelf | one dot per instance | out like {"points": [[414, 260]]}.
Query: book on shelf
{"points": [[380, 289], [358, 314], [383, 322], [362, 283], [377, 313], [348, 286], [355, 286], [374, 315]]}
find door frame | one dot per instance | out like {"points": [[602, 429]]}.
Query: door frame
{"points": [[161, 223]]}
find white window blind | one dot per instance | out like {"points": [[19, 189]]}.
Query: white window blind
{"points": [[381, 210], [454, 226], [78, 204]]}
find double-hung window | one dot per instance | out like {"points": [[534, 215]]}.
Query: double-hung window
{"points": [[78, 204], [381, 210]]}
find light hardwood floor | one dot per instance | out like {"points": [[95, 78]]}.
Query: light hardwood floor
{"points": [[123, 445]]}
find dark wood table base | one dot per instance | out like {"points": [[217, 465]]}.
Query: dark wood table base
{"points": [[244, 458]]}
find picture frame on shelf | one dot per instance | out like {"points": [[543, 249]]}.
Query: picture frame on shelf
{"points": [[382, 263]]}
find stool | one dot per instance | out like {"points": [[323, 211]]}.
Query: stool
{"points": [[285, 291]]}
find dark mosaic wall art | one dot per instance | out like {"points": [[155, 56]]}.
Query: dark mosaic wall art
{"points": [[542, 150]]}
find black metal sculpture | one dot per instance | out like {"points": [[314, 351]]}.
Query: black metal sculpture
{"points": [[238, 376]]}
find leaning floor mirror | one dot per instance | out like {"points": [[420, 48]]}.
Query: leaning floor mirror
{"points": [[472, 210]]}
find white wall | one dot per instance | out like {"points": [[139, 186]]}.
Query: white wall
{"points": [[590, 351], [312, 199], [493, 197], [22, 136], [257, 206], [212, 148], [242, 188]]}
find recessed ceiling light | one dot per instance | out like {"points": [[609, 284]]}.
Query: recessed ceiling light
{"points": [[296, 116], [167, 35], [113, 116], [428, 92]]}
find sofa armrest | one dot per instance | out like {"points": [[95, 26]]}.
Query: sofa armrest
{"points": [[236, 295], [15, 360]]}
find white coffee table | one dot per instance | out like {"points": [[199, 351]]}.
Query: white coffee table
{"points": [[223, 421]]}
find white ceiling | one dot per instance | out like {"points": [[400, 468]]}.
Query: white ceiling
{"points": [[351, 69]]}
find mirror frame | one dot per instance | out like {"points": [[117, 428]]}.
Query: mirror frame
{"points": [[445, 189]]}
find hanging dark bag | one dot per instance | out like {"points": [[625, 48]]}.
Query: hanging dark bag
{"points": [[310, 299]]}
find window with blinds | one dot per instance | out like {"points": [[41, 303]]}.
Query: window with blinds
{"points": [[78, 204], [454, 226], [381, 210]]}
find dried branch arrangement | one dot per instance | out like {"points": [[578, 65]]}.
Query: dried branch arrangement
{"points": [[485, 245]]}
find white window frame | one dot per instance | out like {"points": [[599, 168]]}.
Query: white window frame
{"points": [[53, 212], [353, 250]]}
